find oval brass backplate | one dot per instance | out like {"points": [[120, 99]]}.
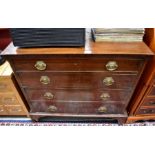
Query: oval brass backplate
{"points": [[52, 108], [102, 109], [45, 80], [105, 96], [40, 65], [48, 95], [108, 81], [111, 66]]}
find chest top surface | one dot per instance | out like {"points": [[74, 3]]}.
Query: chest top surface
{"points": [[91, 47]]}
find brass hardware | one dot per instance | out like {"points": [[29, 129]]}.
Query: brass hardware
{"points": [[102, 109], [105, 96], [48, 95], [45, 80], [108, 81], [52, 108], [3, 86], [40, 65], [111, 65], [15, 110], [8, 100], [152, 102], [1, 110]]}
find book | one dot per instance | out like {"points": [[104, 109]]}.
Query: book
{"points": [[119, 30], [118, 35]]}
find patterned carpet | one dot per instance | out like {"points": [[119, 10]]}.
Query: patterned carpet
{"points": [[70, 124], [29, 122]]}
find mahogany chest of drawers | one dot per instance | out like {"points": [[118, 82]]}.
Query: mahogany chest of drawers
{"points": [[11, 103], [96, 81]]}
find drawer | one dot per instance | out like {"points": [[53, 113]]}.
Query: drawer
{"points": [[146, 111], [149, 102], [69, 63], [5, 85], [8, 99], [15, 110], [77, 95], [77, 107], [152, 91], [3, 110], [89, 80]]}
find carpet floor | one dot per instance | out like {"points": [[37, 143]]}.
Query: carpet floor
{"points": [[29, 122]]}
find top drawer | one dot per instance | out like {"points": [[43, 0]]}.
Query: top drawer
{"points": [[78, 64]]}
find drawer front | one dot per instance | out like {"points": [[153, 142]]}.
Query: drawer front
{"points": [[77, 107], [152, 91], [78, 64], [146, 111], [3, 110], [77, 95], [5, 85], [8, 99], [15, 110], [149, 102], [89, 80]]}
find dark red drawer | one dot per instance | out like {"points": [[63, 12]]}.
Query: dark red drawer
{"points": [[77, 107], [89, 80], [77, 95], [71, 63], [152, 91]]}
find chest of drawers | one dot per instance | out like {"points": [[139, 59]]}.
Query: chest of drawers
{"points": [[96, 81], [11, 102]]}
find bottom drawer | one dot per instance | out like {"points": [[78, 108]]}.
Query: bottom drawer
{"points": [[78, 107], [146, 111]]}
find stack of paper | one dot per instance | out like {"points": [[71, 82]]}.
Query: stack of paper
{"points": [[118, 34]]}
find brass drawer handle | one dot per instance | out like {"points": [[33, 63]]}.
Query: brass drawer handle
{"points": [[45, 80], [111, 65], [52, 108], [48, 95], [105, 96], [40, 65], [102, 109], [108, 81]]}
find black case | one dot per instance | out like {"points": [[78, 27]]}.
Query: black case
{"points": [[48, 37]]}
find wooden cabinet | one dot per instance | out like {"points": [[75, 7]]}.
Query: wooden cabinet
{"points": [[143, 102], [5, 39], [11, 101], [96, 81]]}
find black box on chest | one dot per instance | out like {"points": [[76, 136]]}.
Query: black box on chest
{"points": [[48, 37]]}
